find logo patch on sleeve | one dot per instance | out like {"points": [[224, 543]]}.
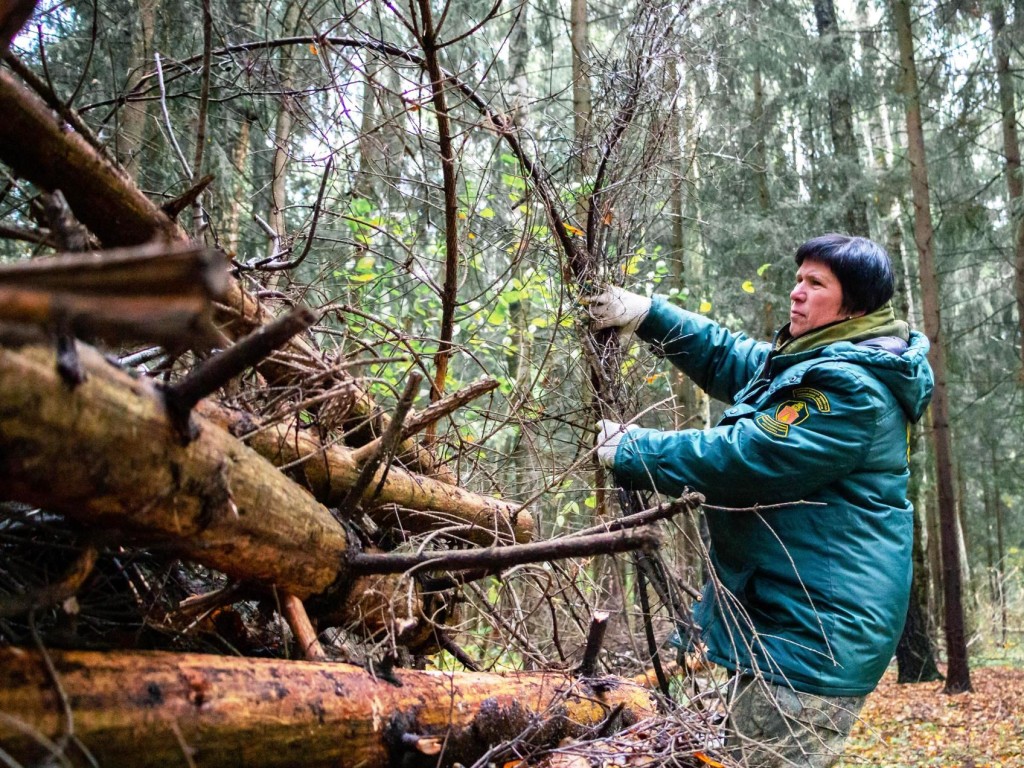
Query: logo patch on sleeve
{"points": [[792, 412]]}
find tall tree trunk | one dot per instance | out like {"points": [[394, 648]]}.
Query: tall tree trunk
{"points": [[958, 678], [758, 121], [915, 652], [840, 119], [131, 136], [1011, 154], [1000, 550], [282, 136], [581, 110]]}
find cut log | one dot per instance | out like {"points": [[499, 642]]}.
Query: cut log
{"points": [[413, 503], [148, 709]]}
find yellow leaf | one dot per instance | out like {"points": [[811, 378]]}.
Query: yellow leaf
{"points": [[471, 236], [652, 378], [707, 760], [748, 287], [573, 230], [705, 306], [462, 215]]}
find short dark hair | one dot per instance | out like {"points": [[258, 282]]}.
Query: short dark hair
{"points": [[862, 267]]}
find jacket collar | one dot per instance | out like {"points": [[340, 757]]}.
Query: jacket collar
{"points": [[881, 322]]}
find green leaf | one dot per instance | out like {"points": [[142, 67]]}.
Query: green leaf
{"points": [[366, 263], [762, 269], [486, 213], [498, 315], [364, 278]]}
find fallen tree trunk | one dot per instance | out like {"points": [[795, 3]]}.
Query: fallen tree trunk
{"points": [[153, 709], [121, 464], [214, 501], [412, 502]]}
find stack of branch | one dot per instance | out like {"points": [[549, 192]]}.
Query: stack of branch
{"points": [[276, 506]]}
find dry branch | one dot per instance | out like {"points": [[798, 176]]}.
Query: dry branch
{"points": [[495, 559], [159, 292], [142, 709], [214, 501]]}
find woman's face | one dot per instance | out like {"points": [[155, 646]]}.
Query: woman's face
{"points": [[816, 300]]}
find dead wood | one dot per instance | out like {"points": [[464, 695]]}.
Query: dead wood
{"points": [[120, 465], [407, 501], [157, 292], [305, 635], [213, 501], [495, 559], [145, 709]]}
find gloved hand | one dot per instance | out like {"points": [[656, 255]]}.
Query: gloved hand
{"points": [[616, 307], [610, 434]]}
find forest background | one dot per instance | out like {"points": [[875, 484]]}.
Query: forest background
{"points": [[687, 149]]}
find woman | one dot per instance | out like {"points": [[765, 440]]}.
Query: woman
{"points": [[806, 601]]}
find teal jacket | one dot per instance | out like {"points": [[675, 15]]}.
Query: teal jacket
{"points": [[812, 594]]}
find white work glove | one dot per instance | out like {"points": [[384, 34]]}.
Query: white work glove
{"points": [[618, 308], [610, 434]]}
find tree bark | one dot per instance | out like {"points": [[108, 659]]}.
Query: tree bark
{"points": [[159, 709], [958, 677], [214, 500], [1011, 151], [121, 464]]}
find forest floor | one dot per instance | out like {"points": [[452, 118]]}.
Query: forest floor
{"points": [[904, 726]]}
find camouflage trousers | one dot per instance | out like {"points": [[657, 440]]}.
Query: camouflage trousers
{"points": [[772, 726]]}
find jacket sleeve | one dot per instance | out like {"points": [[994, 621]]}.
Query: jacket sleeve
{"points": [[720, 362], [795, 444]]}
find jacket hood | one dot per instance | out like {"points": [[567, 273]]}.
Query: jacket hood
{"points": [[907, 375]]}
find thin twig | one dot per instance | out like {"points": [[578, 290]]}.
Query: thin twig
{"points": [[432, 413], [167, 119], [272, 265]]}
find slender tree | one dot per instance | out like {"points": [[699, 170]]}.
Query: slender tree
{"points": [[958, 677], [840, 118], [1011, 155]]}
